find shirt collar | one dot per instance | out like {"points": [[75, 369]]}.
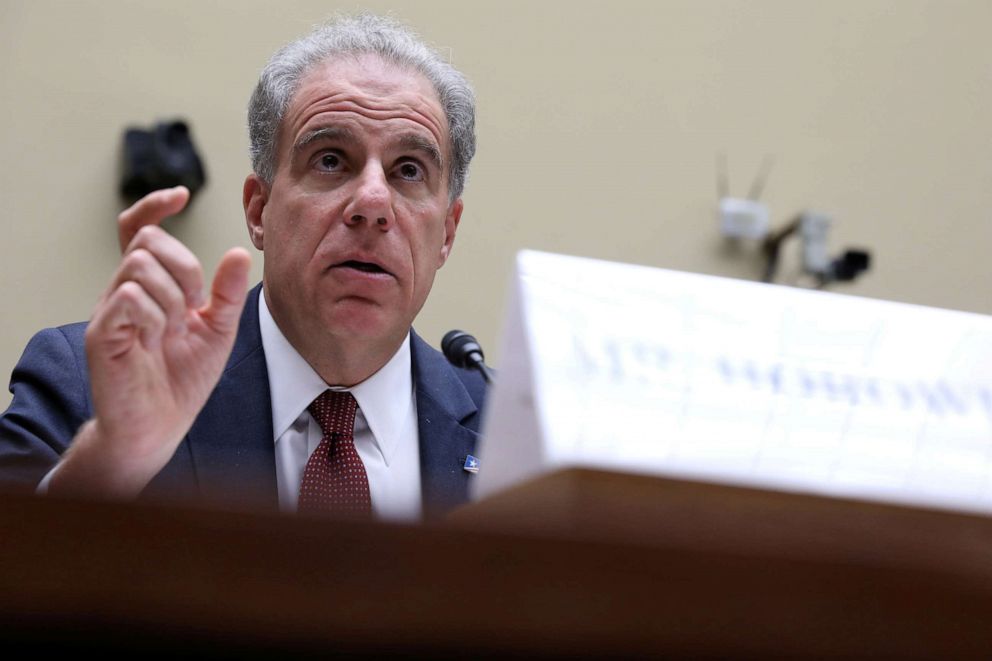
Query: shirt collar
{"points": [[293, 384]]}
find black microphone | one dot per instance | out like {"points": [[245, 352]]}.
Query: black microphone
{"points": [[463, 350]]}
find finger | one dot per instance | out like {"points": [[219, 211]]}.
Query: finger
{"points": [[175, 257], [152, 209], [142, 267], [126, 311], [228, 292]]}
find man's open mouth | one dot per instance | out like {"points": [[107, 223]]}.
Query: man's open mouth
{"points": [[365, 267]]}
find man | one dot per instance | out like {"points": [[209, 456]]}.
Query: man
{"points": [[361, 139]]}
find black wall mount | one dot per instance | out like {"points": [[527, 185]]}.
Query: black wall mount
{"points": [[160, 157]]}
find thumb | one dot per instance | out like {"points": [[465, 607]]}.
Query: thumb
{"points": [[228, 291]]}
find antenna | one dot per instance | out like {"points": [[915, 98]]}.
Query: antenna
{"points": [[759, 182]]}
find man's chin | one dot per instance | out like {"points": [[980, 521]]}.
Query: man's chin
{"points": [[363, 319]]}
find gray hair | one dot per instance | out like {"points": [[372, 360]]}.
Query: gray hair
{"points": [[355, 35]]}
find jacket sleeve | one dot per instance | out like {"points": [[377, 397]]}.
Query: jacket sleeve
{"points": [[51, 401]]}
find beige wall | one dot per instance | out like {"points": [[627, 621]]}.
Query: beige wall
{"points": [[598, 128]]}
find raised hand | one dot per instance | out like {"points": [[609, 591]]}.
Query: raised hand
{"points": [[156, 349]]}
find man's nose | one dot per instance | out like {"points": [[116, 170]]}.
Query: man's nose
{"points": [[372, 201]]}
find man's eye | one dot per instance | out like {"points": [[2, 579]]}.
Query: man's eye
{"points": [[329, 162], [411, 172]]}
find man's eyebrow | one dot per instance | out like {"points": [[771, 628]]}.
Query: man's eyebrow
{"points": [[336, 133], [422, 144]]}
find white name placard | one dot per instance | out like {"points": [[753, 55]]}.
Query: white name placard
{"points": [[636, 369]]}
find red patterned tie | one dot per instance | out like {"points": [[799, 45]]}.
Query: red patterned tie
{"points": [[334, 479]]}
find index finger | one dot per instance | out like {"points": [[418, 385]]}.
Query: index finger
{"points": [[152, 209]]}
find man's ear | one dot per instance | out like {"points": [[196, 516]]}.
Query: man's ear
{"points": [[451, 221], [254, 197]]}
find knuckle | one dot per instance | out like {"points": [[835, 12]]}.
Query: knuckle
{"points": [[137, 261], [185, 266], [192, 266], [130, 291], [146, 234]]}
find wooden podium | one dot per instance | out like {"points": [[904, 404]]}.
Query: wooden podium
{"points": [[576, 564]]}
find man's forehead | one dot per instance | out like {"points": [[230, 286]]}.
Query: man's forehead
{"points": [[368, 85], [368, 74]]}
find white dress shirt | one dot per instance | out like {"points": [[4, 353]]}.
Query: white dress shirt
{"points": [[386, 435]]}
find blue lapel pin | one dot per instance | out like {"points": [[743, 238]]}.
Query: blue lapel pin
{"points": [[471, 464]]}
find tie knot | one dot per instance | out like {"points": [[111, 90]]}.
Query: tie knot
{"points": [[335, 413]]}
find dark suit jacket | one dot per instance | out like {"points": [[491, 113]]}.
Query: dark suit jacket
{"points": [[228, 456]]}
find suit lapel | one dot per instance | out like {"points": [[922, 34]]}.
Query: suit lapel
{"points": [[231, 441], [444, 408]]}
